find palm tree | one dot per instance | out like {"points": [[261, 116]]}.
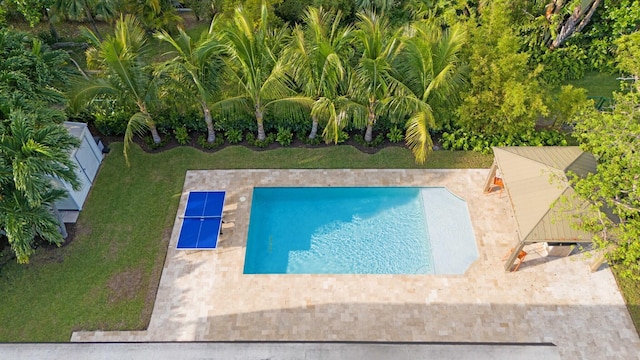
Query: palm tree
{"points": [[316, 57], [123, 75], [372, 83], [196, 66], [429, 67], [30, 156], [258, 77]]}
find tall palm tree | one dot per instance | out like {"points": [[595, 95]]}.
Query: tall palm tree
{"points": [[196, 66], [316, 58], [429, 67], [258, 77], [30, 156], [122, 74], [372, 83]]}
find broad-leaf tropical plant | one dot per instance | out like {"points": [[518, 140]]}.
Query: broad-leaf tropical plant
{"points": [[258, 79], [31, 156], [317, 57], [123, 74], [197, 67]]}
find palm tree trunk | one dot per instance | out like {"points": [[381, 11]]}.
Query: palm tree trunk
{"points": [[52, 29], [575, 23], [314, 127], [211, 134], [368, 135], [87, 11], [371, 120], [259, 119], [154, 133]]}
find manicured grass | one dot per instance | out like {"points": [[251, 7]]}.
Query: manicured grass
{"points": [[631, 292], [106, 278], [598, 84]]}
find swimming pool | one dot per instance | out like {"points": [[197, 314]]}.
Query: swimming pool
{"points": [[355, 230]]}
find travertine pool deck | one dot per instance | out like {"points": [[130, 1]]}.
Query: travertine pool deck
{"points": [[203, 295]]}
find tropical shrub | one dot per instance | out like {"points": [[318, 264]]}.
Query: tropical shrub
{"points": [[151, 144], [251, 138], [284, 136], [377, 141], [182, 135], [202, 141], [461, 139], [342, 137], [395, 134], [234, 136], [269, 139], [567, 63], [110, 120]]}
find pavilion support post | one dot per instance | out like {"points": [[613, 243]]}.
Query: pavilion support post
{"points": [[488, 184], [597, 261], [513, 256]]}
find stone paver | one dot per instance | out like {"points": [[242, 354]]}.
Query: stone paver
{"points": [[203, 295], [276, 351]]}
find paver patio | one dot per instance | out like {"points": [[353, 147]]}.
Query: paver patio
{"points": [[204, 296]]}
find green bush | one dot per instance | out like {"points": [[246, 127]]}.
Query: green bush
{"points": [[251, 139], [284, 137], [182, 135], [395, 134], [461, 139], [269, 139], [202, 141], [111, 122], [377, 141], [566, 63], [152, 145], [342, 137], [234, 136]]}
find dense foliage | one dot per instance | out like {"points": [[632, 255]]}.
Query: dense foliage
{"points": [[34, 147], [459, 73], [614, 138]]}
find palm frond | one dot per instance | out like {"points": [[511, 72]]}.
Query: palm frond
{"points": [[417, 136], [138, 124]]}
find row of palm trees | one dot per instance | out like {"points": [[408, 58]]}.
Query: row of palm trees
{"points": [[334, 74]]}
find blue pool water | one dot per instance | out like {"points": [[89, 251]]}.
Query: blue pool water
{"points": [[370, 230]]}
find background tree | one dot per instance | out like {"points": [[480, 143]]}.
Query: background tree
{"points": [[505, 95], [123, 74], [258, 79], [32, 152], [30, 72], [197, 67], [317, 57], [569, 17], [614, 192]]}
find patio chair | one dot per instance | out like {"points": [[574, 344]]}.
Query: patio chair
{"points": [[497, 181], [519, 260]]}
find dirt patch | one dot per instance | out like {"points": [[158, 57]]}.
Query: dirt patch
{"points": [[124, 285]]}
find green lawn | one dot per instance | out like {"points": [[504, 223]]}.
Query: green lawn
{"points": [[598, 84], [106, 278]]}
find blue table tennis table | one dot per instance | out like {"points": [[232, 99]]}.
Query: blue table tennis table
{"points": [[202, 220]]}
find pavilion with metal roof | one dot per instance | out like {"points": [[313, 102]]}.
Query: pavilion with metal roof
{"points": [[535, 178]]}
